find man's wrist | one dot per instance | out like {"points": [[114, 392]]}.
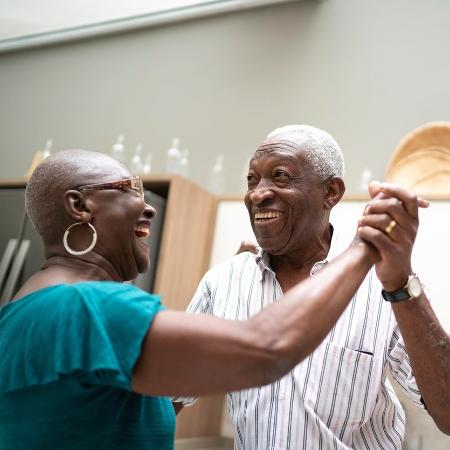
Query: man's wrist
{"points": [[392, 286], [399, 282], [411, 289]]}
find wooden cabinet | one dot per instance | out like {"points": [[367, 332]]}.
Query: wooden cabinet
{"points": [[186, 239], [183, 259]]}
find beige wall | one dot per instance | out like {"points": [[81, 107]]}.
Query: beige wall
{"points": [[368, 71]]}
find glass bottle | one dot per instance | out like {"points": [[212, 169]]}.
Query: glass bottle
{"points": [[217, 176], [364, 180], [173, 157], [48, 149], [118, 149], [184, 163], [147, 167], [136, 161]]}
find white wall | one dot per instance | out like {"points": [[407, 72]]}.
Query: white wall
{"points": [[368, 71]]}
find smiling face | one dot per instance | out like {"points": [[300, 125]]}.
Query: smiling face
{"points": [[122, 220], [285, 199]]}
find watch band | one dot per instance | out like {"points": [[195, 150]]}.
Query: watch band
{"points": [[396, 296]]}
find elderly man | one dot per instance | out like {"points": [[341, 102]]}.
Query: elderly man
{"points": [[338, 397]]}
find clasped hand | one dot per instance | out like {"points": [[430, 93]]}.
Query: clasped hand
{"points": [[389, 223]]}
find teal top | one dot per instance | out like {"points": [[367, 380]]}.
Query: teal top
{"points": [[66, 357]]}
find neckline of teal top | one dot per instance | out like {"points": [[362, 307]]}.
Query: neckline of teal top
{"points": [[39, 291]]}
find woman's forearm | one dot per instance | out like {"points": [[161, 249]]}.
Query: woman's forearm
{"points": [[190, 354]]}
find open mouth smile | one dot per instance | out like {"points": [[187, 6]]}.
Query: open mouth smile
{"points": [[142, 231], [265, 216]]}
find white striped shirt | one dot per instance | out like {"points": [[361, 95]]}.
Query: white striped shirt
{"points": [[338, 397]]}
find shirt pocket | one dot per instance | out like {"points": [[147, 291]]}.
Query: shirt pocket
{"points": [[338, 388]]}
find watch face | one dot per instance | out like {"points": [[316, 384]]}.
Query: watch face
{"points": [[414, 287]]}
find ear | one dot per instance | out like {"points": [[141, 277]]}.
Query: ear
{"points": [[76, 206], [334, 190]]}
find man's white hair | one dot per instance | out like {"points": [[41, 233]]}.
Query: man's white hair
{"points": [[320, 149]]}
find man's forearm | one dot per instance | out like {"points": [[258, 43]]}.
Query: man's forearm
{"points": [[428, 347]]}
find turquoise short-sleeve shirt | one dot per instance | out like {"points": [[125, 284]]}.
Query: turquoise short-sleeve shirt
{"points": [[66, 357]]}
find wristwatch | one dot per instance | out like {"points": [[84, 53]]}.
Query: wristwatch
{"points": [[411, 290]]}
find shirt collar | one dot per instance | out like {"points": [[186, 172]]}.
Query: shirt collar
{"points": [[262, 259]]}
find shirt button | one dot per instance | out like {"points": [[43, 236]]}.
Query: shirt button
{"points": [[281, 397]]}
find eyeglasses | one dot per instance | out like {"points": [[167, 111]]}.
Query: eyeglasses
{"points": [[134, 184]]}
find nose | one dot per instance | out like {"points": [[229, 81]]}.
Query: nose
{"points": [[261, 193], [149, 211]]}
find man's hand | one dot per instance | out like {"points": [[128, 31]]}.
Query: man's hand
{"points": [[390, 224]]}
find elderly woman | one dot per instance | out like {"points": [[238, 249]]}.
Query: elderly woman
{"points": [[86, 360]]}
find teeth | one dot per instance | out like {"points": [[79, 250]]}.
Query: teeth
{"points": [[142, 230], [267, 215]]}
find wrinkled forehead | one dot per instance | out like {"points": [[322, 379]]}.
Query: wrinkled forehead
{"points": [[282, 149]]}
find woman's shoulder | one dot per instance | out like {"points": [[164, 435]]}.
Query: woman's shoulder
{"points": [[92, 288], [82, 327], [111, 292], [105, 289]]}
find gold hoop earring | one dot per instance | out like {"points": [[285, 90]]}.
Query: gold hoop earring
{"points": [[81, 252]]}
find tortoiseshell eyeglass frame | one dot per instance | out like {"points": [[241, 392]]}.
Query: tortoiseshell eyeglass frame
{"points": [[134, 183]]}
